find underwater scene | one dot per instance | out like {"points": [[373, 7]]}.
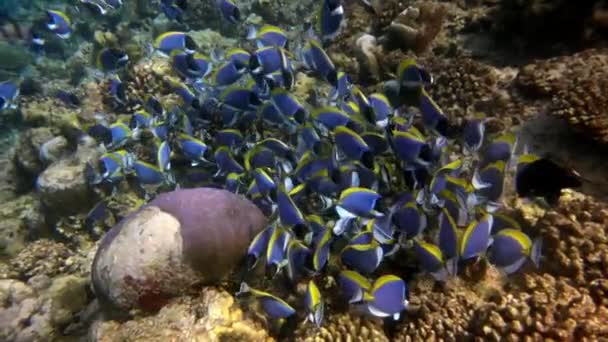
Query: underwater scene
{"points": [[310, 170]]}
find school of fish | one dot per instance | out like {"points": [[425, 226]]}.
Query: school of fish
{"points": [[349, 179]]}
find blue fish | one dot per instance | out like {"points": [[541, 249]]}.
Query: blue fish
{"points": [[114, 4], [289, 213], [37, 43], [225, 161], [473, 133], [273, 306], [233, 182], [118, 90], [239, 98], [364, 258], [98, 213], [488, 183], [353, 146], [140, 120], [409, 219], [163, 156], [231, 138], [476, 238], [448, 240], [147, 174], [288, 105], [317, 60], [9, 91], [314, 304], [358, 202], [171, 41], [376, 141], [432, 116], [353, 286], [229, 10], [268, 35], [227, 73], [152, 105], [410, 146], [510, 249], [322, 184], [388, 297], [266, 60], [120, 134], [308, 139], [382, 109], [448, 234], [343, 87], [68, 98], [188, 97], [351, 107], [239, 57], [431, 259], [191, 65], [321, 250], [329, 19], [111, 59], [97, 7], [260, 157], [500, 149], [59, 23], [112, 166], [411, 76], [330, 117], [503, 221], [276, 253], [258, 246], [174, 9], [192, 148], [299, 257], [264, 182]]}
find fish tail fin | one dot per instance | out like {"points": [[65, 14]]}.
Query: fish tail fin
{"points": [[252, 32], [244, 289], [536, 251]]}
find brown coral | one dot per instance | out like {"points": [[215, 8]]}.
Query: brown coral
{"points": [[214, 316], [438, 313], [149, 77], [463, 85], [576, 239], [573, 86], [43, 257], [343, 327], [543, 308]]}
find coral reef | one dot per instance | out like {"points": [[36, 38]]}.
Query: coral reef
{"points": [[44, 257], [576, 235], [343, 327], [572, 86], [543, 308], [439, 313], [211, 316], [42, 310]]}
